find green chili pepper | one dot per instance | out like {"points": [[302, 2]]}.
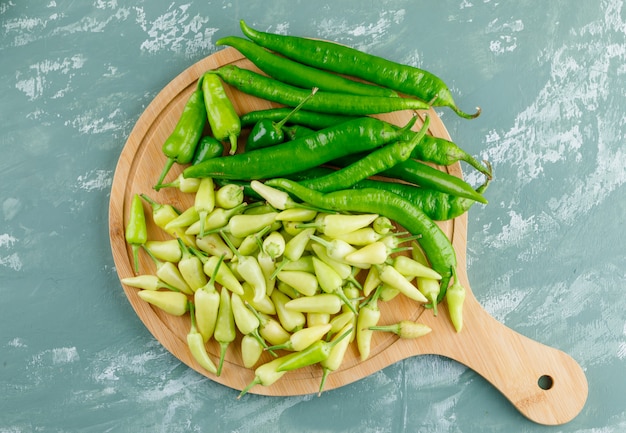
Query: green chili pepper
{"points": [[429, 287], [163, 214], [270, 329], [337, 354], [183, 184], [344, 270], [296, 215], [242, 225], [373, 163], [209, 147], [440, 151], [204, 201], [216, 219], [250, 271], [433, 240], [404, 329], [428, 177], [372, 281], [419, 173], [298, 74], [174, 303], [303, 338], [136, 231], [333, 225], [276, 198], [314, 318], [331, 282], [207, 304], [267, 133], [246, 321], [168, 272], [223, 118], [360, 237], [214, 245], [369, 315], [321, 303], [264, 87], [188, 217], [437, 205], [455, 298], [251, 351], [304, 118], [265, 375], [389, 275], [223, 274], [304, 282], [191, 268], [375, 253], [224, 332], [268, 266], [295, 156], [290, 320], [167, 250], [147, 282], [294, 248], [229, 196], [263, 305], [316, 352], [349, 61], [195, 342], [412, 268], [180, 146]]}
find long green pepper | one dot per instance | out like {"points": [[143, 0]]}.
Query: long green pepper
{"points": [[181, 144], [354, 136], [136, 231], [349, 61], [223, 119], [298, 74], [261, 86]]}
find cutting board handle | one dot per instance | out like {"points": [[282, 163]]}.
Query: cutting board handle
{"points": [[545, 384]]}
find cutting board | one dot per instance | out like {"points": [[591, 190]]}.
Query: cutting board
{"points": [[544, 384]]}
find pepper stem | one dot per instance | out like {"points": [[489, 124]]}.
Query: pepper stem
{"points": [[280, 124], [168, 165], [244, 391], [326, 372]]}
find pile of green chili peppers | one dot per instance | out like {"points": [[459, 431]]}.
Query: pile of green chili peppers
{"points": [[292, 239]]}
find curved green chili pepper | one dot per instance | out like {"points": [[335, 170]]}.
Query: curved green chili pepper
{"points": [[419, 173], [298, 74], [445, 152], [349, 61], [310, 151], [261, 86], [437, 205], [223, 118], [180, 146]]}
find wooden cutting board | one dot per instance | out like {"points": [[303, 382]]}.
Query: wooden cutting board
{"points": [[545, 384]]}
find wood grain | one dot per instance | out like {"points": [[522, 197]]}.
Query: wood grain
{"points": [[514, 364]]}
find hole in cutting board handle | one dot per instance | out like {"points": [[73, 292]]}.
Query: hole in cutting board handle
{"points": [[545, 382]]}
